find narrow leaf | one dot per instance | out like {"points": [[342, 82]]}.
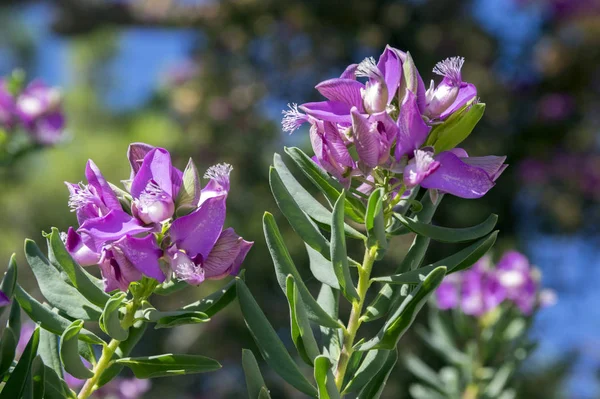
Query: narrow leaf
{"points": [[284, 266], [58, 293], [8, 348], [375, 223], [339, 256], [110, 321], [457, 262], [49, 320], [38, 378], [422, 371], [302, 225], [254, 380], [168, 364], [69, 352], [87, 285], [324, 378], [301, 332], [9, 281], [322, 268], [15, 385], [446, 234], [269, 344], [306, 201], [456, 128], [375, 387], [215, 302], [329, 299], [370, 366], [330, 187], [48, 350], [402, 318], [170, 287], [55, 387]]}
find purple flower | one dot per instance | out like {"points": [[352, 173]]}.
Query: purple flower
{"points": [[447, 294], [412, 129], [345, 92], [27, 330], [81, 253], [39, 108], [515, 275], [464, 176], [127, 259], [154, 186], [373, 137], [480, 291], [452, 93], [201, 249], [330, 150], [419, 168]]}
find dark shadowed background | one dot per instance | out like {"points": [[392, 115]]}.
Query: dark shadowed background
{"points": [[208, 79]]}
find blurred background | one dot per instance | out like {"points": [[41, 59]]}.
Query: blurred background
{"points": [[208, 79]]}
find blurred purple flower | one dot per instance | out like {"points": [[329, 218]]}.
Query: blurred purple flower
{"points": [[555, 107], [27, 330], [515, 274], [39, 108]]}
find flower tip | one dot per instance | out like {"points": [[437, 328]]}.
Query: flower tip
{"points": [[292, 118], [450, 68]]}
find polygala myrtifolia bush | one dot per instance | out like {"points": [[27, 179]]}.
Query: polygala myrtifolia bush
{"points": [[375, 143], [480, 331], [159, 235]]}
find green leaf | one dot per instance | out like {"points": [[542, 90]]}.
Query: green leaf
{"points": [[284, 266], [8, 347], [302, 225], [254, 380], [353, 364], [38, 378], [58, 293], [324, 378], [170, 287], [9, 281], [375, 223], [455, 263], [402, 318], [189, 193], [309, 205], [14, 319], [302, 334], [339, 256], [375, 387], [110, 322], [328, 299], [264, 393], [87, 285], [124, 349], [49, 320], [446, 234], [48, 350], [175, 318], [55, 387], [168, 364], [370, 366], [322, 268], [422, 392], [69, 352], [218, 300], [269, 344], [456, 128], [15, 385], [330, 187]]}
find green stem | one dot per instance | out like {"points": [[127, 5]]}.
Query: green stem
{"points": [[364, 275], [107, 353]]}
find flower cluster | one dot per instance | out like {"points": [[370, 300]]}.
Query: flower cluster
{"points": [[483, 287], [164, 225], [37, 109], [389, 119]]}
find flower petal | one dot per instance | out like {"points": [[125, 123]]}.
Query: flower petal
{"points": [[466, 93], [347, 91], [156, 166], [412, 130], [143, 253], [197, 232], [226, 257], [349, 72], [390, 66], [366, 139], [136, 153], [492, 165], [458, 178], [111, 227], [331, 111], [80, 252], [103, 190]]}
